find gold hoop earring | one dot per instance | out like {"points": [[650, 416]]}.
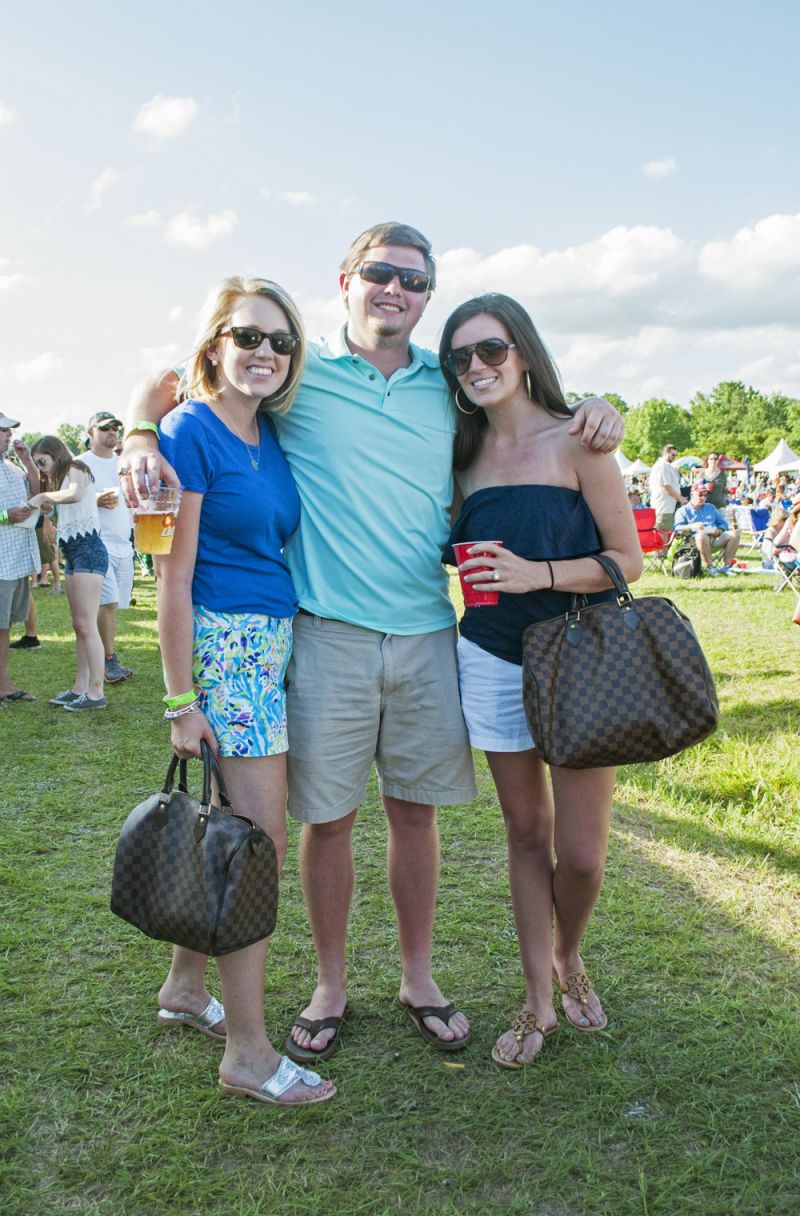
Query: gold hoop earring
{"points": [[528, 384], [474, 409]]}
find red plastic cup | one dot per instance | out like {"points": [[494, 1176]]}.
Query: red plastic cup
{"points": [[473, 598]]}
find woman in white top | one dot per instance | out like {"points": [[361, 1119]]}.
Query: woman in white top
{"points": [[86, 562]]}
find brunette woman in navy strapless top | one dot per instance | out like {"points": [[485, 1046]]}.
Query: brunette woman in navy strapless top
{"points": [[522, 478]]}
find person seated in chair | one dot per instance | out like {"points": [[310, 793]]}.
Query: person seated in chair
{"points": [[709, 528]]}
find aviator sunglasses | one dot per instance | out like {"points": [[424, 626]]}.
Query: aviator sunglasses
{"points": [[247, 337], [383, 273], [492, 352]]}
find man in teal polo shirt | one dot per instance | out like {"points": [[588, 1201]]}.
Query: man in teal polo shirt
{"points": [[373, 676]]}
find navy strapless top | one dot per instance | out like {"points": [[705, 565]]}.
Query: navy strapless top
{"points": [[535, 522]]}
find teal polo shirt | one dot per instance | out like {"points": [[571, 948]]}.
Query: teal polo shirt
{"points": [[372, 460]]}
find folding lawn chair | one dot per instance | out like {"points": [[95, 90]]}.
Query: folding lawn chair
{"points": [[752, 521], [787, 567], [653, 541]]}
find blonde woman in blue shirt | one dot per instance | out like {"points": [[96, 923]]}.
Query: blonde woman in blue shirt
{"points": [[226, 604]]}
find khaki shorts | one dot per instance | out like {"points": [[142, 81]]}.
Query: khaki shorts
{"points": [[354, 697], [15, 598]]}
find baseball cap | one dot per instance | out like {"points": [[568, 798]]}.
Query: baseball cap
{"points": [[102, 418], [6, 423]]}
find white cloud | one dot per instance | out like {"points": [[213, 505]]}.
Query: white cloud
{"points": [[323, 314], [144, 219], [165, 117], [660, 168], [297, 198], [757, 257], [38, 369], [7, 115], [7, 281], [97, 191], [156, 358], [192, 233], [641, 311]]}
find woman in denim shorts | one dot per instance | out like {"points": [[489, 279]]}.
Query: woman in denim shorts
{"points": [[86, 562]]}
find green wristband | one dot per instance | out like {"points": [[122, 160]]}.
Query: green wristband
{"points": [[3, 517], [185, 698], [142, 426]]}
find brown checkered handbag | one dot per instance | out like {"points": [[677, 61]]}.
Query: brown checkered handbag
{"points": [[617, 682], [194, 874]]}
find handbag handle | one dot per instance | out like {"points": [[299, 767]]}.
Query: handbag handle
{"points": [[614, 573], [579, 598], [210, 769]]}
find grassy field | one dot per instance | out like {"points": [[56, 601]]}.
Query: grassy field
{"points": [[688, 1103]]}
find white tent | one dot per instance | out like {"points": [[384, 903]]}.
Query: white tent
{"points": [[637, 469], [780, 460], [622, 460]]}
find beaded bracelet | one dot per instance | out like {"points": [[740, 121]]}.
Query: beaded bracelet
{"points": [[171, 714], [183, 698]]}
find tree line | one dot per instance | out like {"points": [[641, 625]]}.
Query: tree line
{"points": [[732, 419]]}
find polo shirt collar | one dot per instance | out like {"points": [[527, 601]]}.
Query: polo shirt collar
{"points": [[335, 347]]}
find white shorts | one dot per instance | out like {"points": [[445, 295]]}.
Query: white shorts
{"points": [[491, 698], [118, 581]]}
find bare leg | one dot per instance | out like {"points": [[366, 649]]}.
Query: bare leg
{"points": [[326, 867], [107, 626], [730, 548], [703, 547], [413, 863], [257, 788], [527, 806], [583, 817], [30, 620], [83, 593], [5, 683]]}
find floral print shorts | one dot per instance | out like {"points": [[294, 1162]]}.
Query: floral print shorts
{"points": [[240, 659]]}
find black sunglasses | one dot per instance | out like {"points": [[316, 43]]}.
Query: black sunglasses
{"points": [[492, 352], [247, 337], [109, 426], [384, 272]]}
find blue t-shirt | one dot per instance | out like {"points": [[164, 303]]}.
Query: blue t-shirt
{"points": [[247, 514], [373, 463]]}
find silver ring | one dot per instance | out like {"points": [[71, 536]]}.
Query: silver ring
{"points": [[495, 576], [123, 470]]}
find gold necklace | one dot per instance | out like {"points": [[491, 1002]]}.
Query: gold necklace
{"points": [[248, 447]]}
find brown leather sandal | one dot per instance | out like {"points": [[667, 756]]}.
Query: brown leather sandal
{"points": [[578, 986], [525, 1023]]}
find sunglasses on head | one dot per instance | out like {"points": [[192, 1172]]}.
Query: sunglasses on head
{"points": [[492, 352], [384, 272], [247, 337]]}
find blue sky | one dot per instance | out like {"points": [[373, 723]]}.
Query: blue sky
{"points": [[631, 173]]}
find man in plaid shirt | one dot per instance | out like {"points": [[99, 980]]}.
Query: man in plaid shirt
{"points": [[19, 553]]}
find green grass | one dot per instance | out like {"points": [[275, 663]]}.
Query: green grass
{"points": [[689, 1103]]}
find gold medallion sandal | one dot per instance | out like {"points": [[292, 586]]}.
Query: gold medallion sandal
{"points": [[524, 1024], [578, 986]]}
